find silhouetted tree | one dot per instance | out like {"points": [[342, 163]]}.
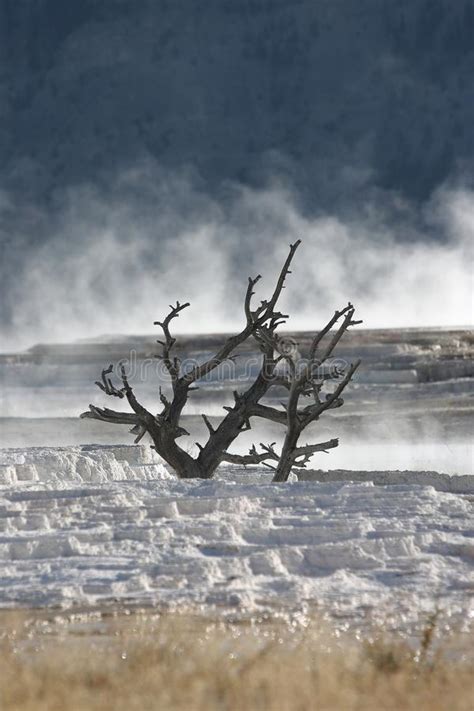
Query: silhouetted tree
{"points": [[301, 378]]}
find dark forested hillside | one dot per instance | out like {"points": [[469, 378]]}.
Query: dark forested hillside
{"points": [[138, 137], [335, 94]]}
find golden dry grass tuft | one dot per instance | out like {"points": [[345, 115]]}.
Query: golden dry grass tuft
{"points": [[185, 662]]}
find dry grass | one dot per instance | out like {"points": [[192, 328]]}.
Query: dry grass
{"points": [[143, 661]]}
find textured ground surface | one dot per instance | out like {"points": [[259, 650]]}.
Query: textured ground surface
{"points": [[98, 524]]}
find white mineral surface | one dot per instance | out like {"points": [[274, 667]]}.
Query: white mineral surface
{"points": [[96, 524]]}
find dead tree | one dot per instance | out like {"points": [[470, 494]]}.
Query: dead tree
{"points": [[301, 379], [164, 427], [305, 378]]}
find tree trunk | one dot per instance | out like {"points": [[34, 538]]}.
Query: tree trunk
{"points": [[229, 429], [292, 433], [182, 463], [286, 458]]}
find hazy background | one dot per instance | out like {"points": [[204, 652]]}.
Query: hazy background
{"points": [[160, 149]]}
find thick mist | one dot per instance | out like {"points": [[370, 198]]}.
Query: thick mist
{"points": [[111, 264]]}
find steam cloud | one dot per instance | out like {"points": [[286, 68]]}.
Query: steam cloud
{"points": [[113, 263]]}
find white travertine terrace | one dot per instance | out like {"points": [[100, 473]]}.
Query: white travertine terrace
{"points": [[98, 524]]}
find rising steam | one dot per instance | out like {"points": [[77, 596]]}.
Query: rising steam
{"points": [[112, 264]]}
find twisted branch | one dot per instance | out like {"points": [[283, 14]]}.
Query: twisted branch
{"points": [[255, 320], [172, 365], [348, 312], [300, 380], [304, 454], [253, 457], [107, 386]]}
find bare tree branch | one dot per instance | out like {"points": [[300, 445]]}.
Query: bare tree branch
{"points": [[319, 336], [172, 364], [106, 415], [208, 424], [268, 307], [305, 381], [332, 398], [107, 386], [255, 320], [248, 298], [348, 321], [302, 455], [299, 379], [268, 413], [142, 412], [253, 457], [139, 431]]}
